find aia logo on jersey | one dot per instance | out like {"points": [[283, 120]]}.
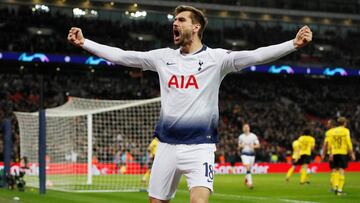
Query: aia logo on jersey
{"points": [[183, 82]]}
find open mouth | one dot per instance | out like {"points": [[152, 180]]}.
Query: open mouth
{"points": [[176, 34]]}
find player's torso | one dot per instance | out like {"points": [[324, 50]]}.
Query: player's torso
{"points": [[186, 80], [338, 140], [189, 88], [248, 141], [306, 143]]}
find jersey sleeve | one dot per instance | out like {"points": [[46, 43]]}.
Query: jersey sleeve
{"points": [[136, 59], [294, 145], [240, 141], [312, 142], [256, 140], [237, 60]]}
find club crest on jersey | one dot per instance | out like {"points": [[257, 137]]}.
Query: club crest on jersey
{"points": [[183, 82]]}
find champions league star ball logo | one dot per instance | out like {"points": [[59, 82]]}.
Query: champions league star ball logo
{"points": [[97, 61], [33, 57], [281, 69], [335, 71]]}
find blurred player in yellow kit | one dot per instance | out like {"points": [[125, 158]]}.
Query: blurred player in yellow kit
{"points": [[295, 159], [340, 148], [326, 150], [151, 151], [306, 146]]}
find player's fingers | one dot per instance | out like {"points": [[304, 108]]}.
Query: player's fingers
{"points": [[301, 30], [307, 36], [305, 27], [308, 39], [73, 30], [300, 33], [69, 37]]}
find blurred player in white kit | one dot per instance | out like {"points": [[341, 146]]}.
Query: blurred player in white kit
{"points": [[248, 142]]}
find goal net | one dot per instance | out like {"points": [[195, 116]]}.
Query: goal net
{"points": [[92, 145]]}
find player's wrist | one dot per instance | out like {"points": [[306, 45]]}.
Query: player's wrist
{"points": [[82, 42]]}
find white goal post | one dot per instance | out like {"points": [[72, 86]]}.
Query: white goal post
{"points": [[92, 145]]}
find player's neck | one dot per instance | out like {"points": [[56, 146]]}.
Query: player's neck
{"points": [[192, 47]]}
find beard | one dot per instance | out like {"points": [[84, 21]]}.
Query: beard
{"points": [[185, 38]]}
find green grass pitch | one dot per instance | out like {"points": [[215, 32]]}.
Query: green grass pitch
{"points": [[228, 189]]}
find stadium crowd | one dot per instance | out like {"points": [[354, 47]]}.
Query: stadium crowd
{"points": [[337, 6], [25, 30], [277, 107]]}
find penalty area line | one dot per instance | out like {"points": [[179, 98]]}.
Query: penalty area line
{"points": [[253, 197], [296, 201]]}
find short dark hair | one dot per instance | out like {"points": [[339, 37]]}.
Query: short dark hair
{"points": [[197, 16]]}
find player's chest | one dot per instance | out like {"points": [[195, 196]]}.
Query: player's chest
{"points": [[187, 66], [189, 74]]}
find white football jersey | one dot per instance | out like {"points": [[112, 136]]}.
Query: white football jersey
{"points": [[248, 141], [189, 84]]}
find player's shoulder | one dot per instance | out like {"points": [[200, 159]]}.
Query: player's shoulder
{"points": [[345, 129], [253, 135], [341, 129], [162, 51], [217, 53], [309, 138], [327, 132], [220, 51]]}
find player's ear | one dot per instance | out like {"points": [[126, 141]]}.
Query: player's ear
{"points": [[196, 27]]}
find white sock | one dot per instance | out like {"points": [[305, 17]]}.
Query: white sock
{"points": [[249, 179]]}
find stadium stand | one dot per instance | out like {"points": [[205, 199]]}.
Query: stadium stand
{"points": [[263, 100]]}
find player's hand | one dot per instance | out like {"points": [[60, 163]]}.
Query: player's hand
{"points": [[303, 37], [76, 37], [331, 157], [353, 158], [322, 157]]}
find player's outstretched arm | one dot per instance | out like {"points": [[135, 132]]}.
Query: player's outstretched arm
{"points": [[242, 59], [113, 54]]}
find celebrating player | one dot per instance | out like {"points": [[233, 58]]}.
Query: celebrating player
{"points": [[340, 147], [190, 78], [306, 145], [248, 142]]}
